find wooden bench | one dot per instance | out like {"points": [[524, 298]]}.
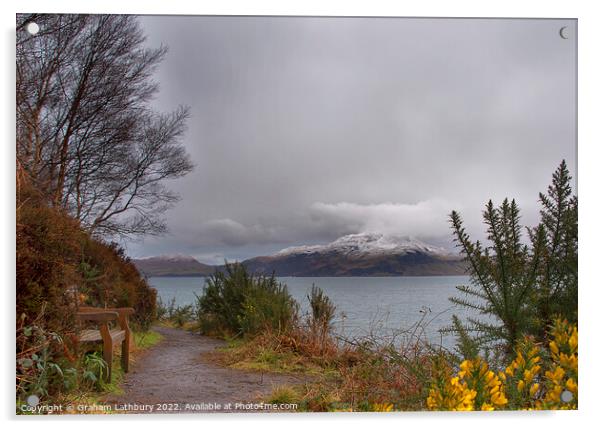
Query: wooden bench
{"points": [[107, 335]]}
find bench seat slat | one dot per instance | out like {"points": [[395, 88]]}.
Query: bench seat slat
{"points": [[93, 336]]}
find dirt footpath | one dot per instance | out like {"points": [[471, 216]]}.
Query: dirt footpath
{"points": [[174, 376]]}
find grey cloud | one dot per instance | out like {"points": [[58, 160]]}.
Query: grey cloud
{"points": [[368, 117], [232, 233], [426, 219]]}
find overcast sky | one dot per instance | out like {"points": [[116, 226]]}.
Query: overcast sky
{"points": [[306, 129]]}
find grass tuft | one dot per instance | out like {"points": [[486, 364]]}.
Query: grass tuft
{"points": [[144, 340], [284, 394]]}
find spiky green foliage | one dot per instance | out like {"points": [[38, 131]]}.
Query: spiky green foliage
{"points": [[519, 286], [503, 275], [557, 292], [238, 302], [466, 347], [322, 308]]}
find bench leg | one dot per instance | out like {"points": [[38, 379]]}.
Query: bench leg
{"points": [[125, 353], [107, 353]]}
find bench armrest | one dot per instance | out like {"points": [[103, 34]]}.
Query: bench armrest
{"points": [[121, 314], [97, 316], [123, 311]]}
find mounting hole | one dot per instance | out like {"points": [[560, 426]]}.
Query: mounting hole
{"points": [[33, 400], [32, 28], [566, 396]]}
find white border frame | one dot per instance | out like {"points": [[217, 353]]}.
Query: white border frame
{"points": [[589, 192]]}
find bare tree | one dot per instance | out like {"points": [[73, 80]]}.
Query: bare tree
{"points": [[86, 135]]}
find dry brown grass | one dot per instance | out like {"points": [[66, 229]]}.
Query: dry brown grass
{"points": [[345, 376]]}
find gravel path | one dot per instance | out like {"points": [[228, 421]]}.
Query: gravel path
{"points": [[174, 376]]}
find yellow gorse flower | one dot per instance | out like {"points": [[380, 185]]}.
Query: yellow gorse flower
{"points": [[523, 384], [571, 385], [533, 390], [474, 387], [382, 408], [450, 393], [563, 371], [487, 407]]}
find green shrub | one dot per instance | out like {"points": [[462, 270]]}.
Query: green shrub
{"points": [[235, 302], [39, 368], [322, 308], [182, 315], [115, 282], [94, 369], [557, 291], [520, 286], [267, 305], [178, 315], [165, 311]]}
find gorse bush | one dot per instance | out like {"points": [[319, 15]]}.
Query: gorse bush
{"points": [[503, 276], [536, 378], [556, 294], [236, 302], [521, 285], [267, 305]]}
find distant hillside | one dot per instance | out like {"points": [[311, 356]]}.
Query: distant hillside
{"points": [[367, 254], [173, 266]]}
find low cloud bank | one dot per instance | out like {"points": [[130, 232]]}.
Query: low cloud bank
{"points": [[425, 219]]}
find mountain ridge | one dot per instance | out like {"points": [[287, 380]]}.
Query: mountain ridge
{"points": [[178, 265], [364, 254]]}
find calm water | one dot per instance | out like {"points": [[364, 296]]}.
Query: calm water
{"points": [[380, 305]]}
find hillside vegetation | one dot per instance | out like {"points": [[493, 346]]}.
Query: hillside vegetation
{"points": [[91, 159]]}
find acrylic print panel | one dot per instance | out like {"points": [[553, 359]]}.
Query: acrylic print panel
{"points": [[295, 214]]}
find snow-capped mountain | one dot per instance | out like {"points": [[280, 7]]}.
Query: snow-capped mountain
{"points": [[366, 254], [367, 244]]}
